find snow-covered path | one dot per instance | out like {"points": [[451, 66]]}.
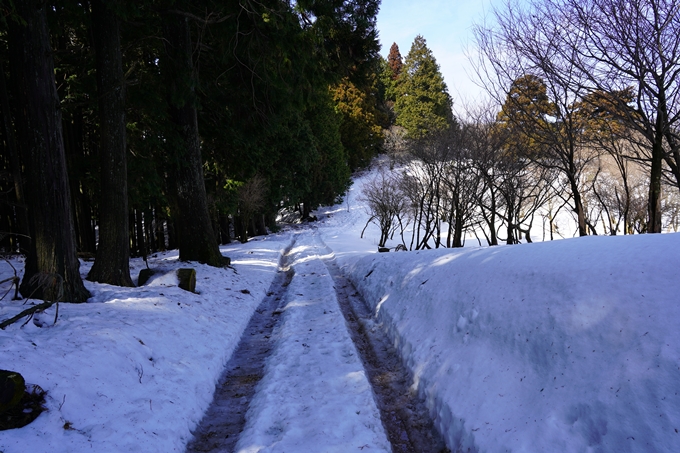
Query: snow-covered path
{"points": [[314, 395], [322, 380]]}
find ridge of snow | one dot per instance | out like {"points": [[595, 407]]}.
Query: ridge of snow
{"points": [[565, 346]]}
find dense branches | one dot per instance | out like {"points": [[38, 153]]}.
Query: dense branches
{"points": [[608, 46]]}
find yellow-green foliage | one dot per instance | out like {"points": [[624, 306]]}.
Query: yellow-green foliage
{"points": [[360, 132]]}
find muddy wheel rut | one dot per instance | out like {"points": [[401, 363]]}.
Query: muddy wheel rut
{"points": [[220, 426], [405, 417]]}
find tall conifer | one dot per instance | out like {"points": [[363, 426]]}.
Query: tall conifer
{"points": [[395, 61], [423, 104]]}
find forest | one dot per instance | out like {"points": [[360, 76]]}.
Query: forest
{"points": [[134, 127], [131, 127]]}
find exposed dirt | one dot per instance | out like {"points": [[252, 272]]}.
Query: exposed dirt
{"points": [[404, 415], [224, 420]]}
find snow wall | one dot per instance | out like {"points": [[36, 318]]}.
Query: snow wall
{"points": [[567, 346]]}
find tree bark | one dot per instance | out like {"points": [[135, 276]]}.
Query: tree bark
{"points": [[22, 239], [654, 201], [112, 264], [39, 118], [224, 229], [75, 151], [196, 237]]}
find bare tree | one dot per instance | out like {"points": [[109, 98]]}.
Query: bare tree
{"points": [[634, 44], [386, 204], [251, 200], [608, 46], [538, 87]]}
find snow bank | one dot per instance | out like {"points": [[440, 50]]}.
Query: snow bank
{"points": [[134, 368], [567, 346]]}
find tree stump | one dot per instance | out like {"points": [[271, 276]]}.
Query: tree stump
{"points": [[12, 388], [187, 279], [144, 276]]}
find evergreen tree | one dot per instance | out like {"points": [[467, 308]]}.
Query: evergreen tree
{"points": [[395, 61], [386, 93], [361, 134], [525, 115], [53, 244], [112, 264], [423, 104], [197, 240]]}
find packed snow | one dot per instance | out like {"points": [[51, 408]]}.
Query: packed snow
{"points": [[569, 345], [314, 395]]}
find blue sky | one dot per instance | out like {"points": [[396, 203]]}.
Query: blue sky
{"points": [[446, 25]]}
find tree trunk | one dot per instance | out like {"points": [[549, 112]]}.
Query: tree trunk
{"points": [[21, 240], [160, 230], [654, 203], [141, 240], [194, 230], [53, 247], [133, 236], [224, 229], [578, 207], [150, 232], [74, 149], [260, 227], [112, 264]]}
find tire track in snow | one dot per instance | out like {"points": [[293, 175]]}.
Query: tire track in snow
{"points": [[219, 429], [315, 395], [405, 416]]}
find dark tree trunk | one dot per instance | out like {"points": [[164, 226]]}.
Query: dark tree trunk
{"points": [[53, 248], [493, 240], [654, 203], [224, 229], [150, 230], [112, 264], [578, 205], [160, 230], [260, 227], [270, 219], [6, 226], [141, 240], [21, 239], [74, 148], [196, 237], [134, 248], [172, 235]]}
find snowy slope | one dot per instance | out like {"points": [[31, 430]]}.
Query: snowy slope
{"points": [[571, 345], [134, 368], [567, 346]]}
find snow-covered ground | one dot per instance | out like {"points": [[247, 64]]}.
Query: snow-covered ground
{"points": [[134, 368], [570, 345], [314, 395]]}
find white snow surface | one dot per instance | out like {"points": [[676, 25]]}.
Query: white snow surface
{"points": [[569, 346], [133, 369]]}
